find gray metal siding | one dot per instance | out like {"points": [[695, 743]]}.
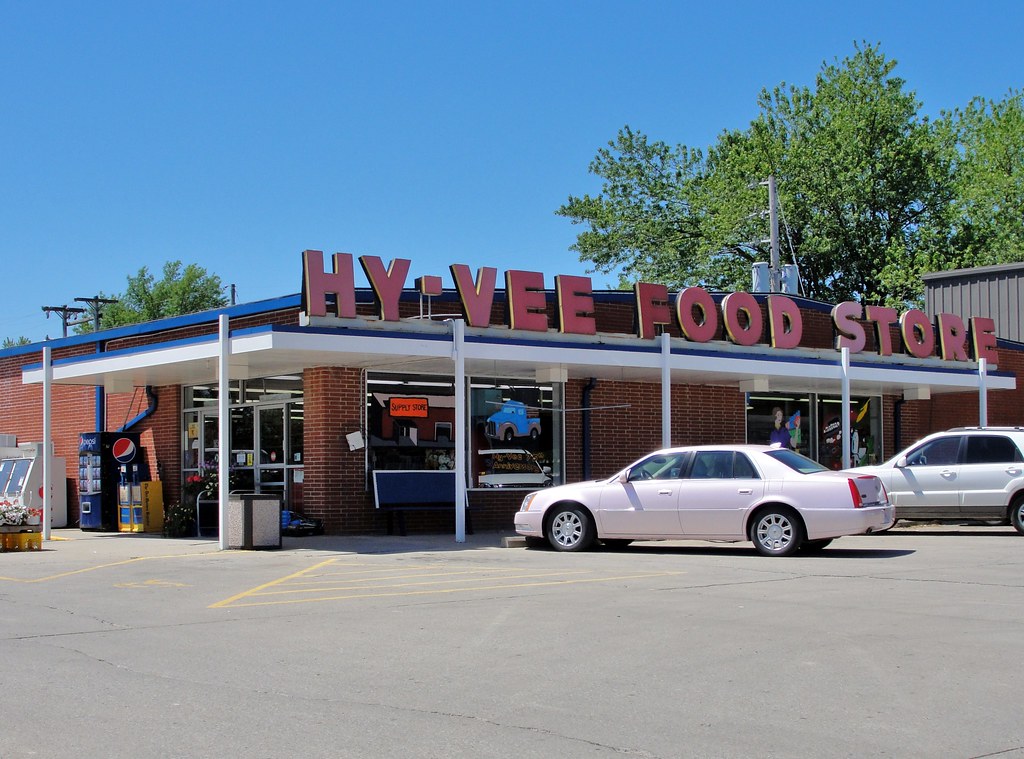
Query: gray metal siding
{"points": [[993, 291]]}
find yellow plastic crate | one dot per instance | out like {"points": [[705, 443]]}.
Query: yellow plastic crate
{"points": [[29, 541], [22, 541]]}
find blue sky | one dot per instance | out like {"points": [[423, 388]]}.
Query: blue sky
{"points": [[234, 135]]}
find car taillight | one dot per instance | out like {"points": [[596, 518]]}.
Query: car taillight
{"points": [[857, 500]]}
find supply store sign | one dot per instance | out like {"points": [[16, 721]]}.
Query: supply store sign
{"points": [[693, 309], [416, 408]]}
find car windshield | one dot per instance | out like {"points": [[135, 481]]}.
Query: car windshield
{"points": [[796, 461]]}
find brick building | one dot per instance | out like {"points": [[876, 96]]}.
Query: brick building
{"points": [[330, 385]]}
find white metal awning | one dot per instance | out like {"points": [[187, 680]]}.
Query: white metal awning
{"points": [[427, 348]]}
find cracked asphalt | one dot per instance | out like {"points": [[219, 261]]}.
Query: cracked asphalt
{"points": [[904, 644]]}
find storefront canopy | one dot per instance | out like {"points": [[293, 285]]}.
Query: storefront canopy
{"points": [[427, 347]]}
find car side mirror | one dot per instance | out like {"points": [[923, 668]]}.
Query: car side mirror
{"points": [[901, 462], [624, 477], [546, 470]]}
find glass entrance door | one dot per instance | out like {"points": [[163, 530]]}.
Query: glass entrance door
{"points": [[270, 475], [266, 448]]}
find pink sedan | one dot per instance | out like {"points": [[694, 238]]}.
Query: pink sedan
{"points": [[776, 498]]}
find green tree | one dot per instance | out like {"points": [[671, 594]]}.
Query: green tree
{"points": [[859, 172], [987, 210], [15, 342], [181, 290]]}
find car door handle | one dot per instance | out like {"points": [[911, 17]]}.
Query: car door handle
{"points": [[1013, 471], [664, 491], [745, 491], [947, 473]]}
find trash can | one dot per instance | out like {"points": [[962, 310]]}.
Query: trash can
{"points": [[254, 521]]}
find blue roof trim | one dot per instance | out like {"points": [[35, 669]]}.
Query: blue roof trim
{"points": [[161, 325]]}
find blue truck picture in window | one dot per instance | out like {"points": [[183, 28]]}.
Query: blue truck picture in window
{"points": [[512, 422]]}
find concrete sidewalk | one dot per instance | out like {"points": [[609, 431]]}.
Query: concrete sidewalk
{"points": [[74, 543]]}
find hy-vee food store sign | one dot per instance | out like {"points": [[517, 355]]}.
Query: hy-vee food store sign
{"points": [[692, 309]]}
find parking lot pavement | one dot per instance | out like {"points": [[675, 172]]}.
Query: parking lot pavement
{"points": [[899, 644]]}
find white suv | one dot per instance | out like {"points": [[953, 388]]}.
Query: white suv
{"points": [[962, 473]]}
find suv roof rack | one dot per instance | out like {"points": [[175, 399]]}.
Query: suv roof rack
{"points": [[1003, 428]]}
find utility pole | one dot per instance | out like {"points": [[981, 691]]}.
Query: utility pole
{"points": [[64, 312], [97, 303], [774, 269]]}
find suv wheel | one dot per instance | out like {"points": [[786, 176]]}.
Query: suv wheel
{"points": [[1017, 515]]}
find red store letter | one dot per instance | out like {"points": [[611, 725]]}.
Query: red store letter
{"points": [[882, 316], [783, 312], [527, 302], [917, 332], [983, 339], [575, 305], [748, 330], [952, 337], [692, 299], [850, 332], [318, 284], [651, 308], [387, 284], [477, 297]]}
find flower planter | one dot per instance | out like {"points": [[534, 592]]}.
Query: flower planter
{"points": [[20, 537]]}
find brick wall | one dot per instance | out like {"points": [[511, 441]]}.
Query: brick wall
{"points": [[334, 487]]}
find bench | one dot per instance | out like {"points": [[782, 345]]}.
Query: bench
{"points": [[397, 491]]}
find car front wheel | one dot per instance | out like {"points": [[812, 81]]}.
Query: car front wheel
{"points": [[1017, 515], [776, 532], [570, 529]]}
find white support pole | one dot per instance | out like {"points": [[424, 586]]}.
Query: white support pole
{"points": [[666, 390], [47, 440], [223, 431], [845, 413], [461, 436], [982, 392]]}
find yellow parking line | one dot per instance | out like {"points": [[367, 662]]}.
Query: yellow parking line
{"points": [[96, 567], [380, 592], [270, 584], [384, 574], [355, 585]]}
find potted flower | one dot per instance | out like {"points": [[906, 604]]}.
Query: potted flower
{"points": [[180, 518], [19, 526], [13, 514]]}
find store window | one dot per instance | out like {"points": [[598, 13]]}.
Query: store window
{"points": [[410, 421], [782, 419], [812, 424], [865, 431], [515, 436]]}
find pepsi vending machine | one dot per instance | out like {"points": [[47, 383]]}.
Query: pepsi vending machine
{"points": [[105, 460]]}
